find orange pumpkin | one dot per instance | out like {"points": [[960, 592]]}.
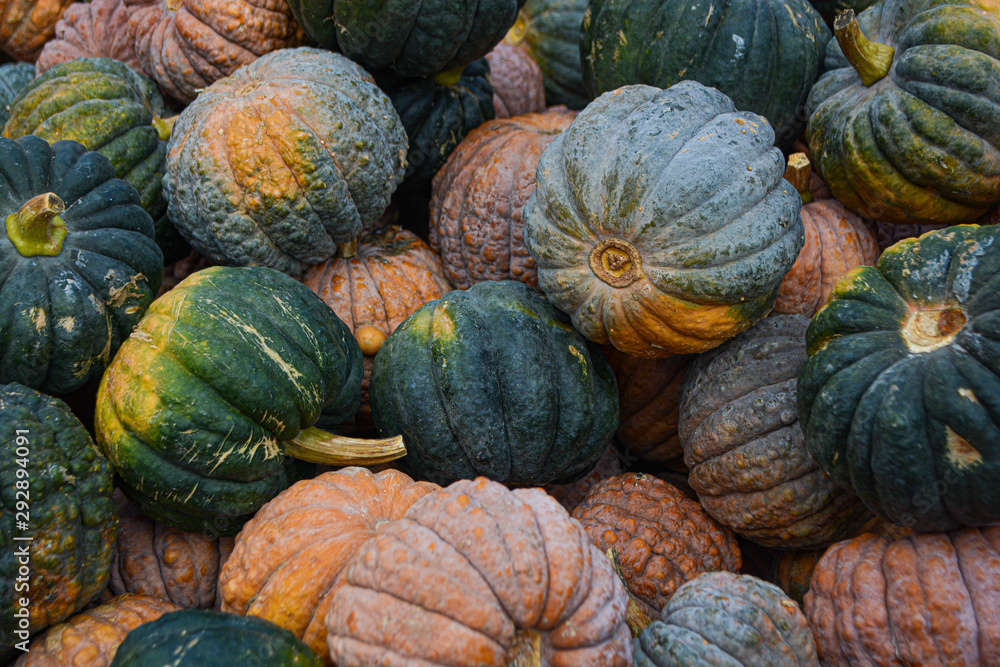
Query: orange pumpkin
{"points": [[25, 26], [517, 82], [96, 29]]}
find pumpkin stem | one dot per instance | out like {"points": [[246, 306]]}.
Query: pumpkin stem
{"points": [[526, 651], [799, 173], [370, 339], [872, 60], [347, 250], [317, 446], [616, 262], [164, 126], [518, 32], [636, 617], [37, 229], [449, 78]]}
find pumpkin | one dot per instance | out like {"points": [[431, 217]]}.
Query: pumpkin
{"points": [[763, 54], [895, 399], [95, 29], [898, 127], [163, 562], [678, 238], [571, 495], [549, 32], [793, 570], [517, 82], [374, 286], [334, 152], [13, 77], [477, 205], [289, 559], [111, 109], [494, 381], [25, 25], [729, 619], [206, 637], [58, 522], [663, 538], [92, 637], [917, 600], [186, 45], [478, 574], [225, 374], [79, 263]]}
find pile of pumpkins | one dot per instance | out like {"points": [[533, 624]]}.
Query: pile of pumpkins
{"points": [[500, 332]]}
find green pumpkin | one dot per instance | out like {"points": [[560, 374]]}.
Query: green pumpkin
{"points": [[763, 54], [904, 127], [899, 398], [494, 381], [204, 638], [109, 108], [78, 264], [13, 77]]}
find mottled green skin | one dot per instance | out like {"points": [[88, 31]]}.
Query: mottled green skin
{"points": [[875, 413], [108, 107], [493, 381], [193, 411], [764, 54], [63, 317], [552, 39], [721, 619], [205, 638], [71, 514], [13, 77], [922, 145]]}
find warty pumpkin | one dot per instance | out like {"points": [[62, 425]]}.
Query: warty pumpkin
{"points": [[25, 26], [95, 29], [13, 78], [517, 82]]}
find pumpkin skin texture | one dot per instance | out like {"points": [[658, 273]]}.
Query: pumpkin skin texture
{"points": [[678, 238], [571, 495], [92, 637], [186, 45], [289, 559], [793, 570], [230, 356], [477, 203], [66, 313], [896, 398], [13, 77], [728, 619], [25, 26], [663, 538], [494, 381], [926, 599], [472, 571], [517, 82], [95, 29], [763, 54], [921, 145], [71, 515]]}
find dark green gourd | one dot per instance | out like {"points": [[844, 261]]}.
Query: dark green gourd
{"points": [[13, 78]]}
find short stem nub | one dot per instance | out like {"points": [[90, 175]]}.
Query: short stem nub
{"points": [[518, 31], [616, 262], [318, 446], [164, 126], [347, 250], [799, 173], [36, 229], [872, 60], [449, 78]]}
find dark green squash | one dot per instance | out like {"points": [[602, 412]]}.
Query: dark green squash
{"points": [[764, 54], [900, 397], [78, 264], [204, 638], [494, 381], [13, 77]]}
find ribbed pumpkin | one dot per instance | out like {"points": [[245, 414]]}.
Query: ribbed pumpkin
{"points": [[280, 162], [289, 559], [186, 45], [571, 495], [918, 600], [476, 574], [25, 26], [92, 637], [494, 381], [678, 237], [477, 205], [517, 82], [898, 125], [79, 264], [95, 29], [663, 538], [896, 399], [793, 570], [13, 78]]}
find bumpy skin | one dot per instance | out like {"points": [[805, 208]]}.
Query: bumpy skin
{"points": [[280, 162], [695, 187], [744, 445], [25, 26], [478, 198], [793, 570], [898, 398], [92, 637], [920, 600], [65, 315], [763, 54], [186, 45], [728, 620], [494, 381], [163, 562], [70, 513], [663, 538], [95, 29], [13, 78], [549, 31], [571, 495], [517, 82], [224, 367], [468, 572], [290, 558], [921, 145]]}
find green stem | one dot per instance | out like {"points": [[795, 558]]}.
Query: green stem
{"points": [[449, 78], [518, 31], [164, 126], [36, 229], [872, 60], [318, 446], [347, 250], [799, 173]]}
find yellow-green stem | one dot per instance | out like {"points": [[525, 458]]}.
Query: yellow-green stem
{"points": [[36, 229], [526, 650], [799, 173], [871, 60], [449, 78], [347, 250], [518, 31], [318, 446], [164, 126]]}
